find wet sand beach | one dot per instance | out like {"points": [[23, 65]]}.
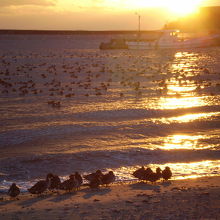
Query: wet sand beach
{"points": [[179, 199]]}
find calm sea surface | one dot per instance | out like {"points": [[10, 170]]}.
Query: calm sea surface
{"points": [[119, 109]]}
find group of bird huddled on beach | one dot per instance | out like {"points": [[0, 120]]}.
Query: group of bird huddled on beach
{"points": [[95, 180], [148, 174]]}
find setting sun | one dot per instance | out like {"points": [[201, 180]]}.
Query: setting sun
{"points": [[179, 8], [183, 7]]}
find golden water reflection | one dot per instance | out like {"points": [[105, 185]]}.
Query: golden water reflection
{"points": [[185, 63], [189, 117], [179, 170], [177, 89], [181, 87], [192, 117], [180, 141], [195, 169], [182, 102], [183, 67]]}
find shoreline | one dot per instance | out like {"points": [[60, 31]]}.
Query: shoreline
{"points": [[175, 199]]}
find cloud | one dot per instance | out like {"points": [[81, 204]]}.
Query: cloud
{"points": [[8, 3]]}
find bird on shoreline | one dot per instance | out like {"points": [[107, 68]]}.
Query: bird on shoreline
{"points": [[95, 179], [54, 182], [153, 177], [79, 179], [14, 190], [142, 173], [139, 173], [147, 173], [108, 178], [95, 182], [167, 173], [90, 177], [42, 185], [70, 184]]}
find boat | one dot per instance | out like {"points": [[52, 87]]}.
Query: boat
{"points": [[114, 44], [172, 39], [166, 39]]}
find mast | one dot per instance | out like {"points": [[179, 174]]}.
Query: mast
{"points": [[139, 24], [139, 28]]}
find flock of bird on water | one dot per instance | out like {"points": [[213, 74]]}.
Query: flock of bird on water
{"points": [[59, 80], [53, 182]]}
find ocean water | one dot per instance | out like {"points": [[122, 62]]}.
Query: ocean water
{"points": [[119, 109]]}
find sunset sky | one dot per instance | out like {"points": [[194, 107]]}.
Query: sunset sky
{"points": [[94, 14]]}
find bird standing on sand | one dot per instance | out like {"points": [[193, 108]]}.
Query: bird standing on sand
{"points": [[147, 173], [54, 182], [166, 173], [139, 173], [108, 178], [95, 182], [95, 179], [70, 184], [13, 190], [153, 177], [79, 179], [41, 186], [90, 177]]}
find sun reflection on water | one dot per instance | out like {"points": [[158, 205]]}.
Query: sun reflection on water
{"points": [[185, 62], [179, 170], [182, 102], [172, 89], [182, 142], [190, 117], [195, 169], [183, 67]]}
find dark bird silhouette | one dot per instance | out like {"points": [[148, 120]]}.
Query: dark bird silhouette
{"points": [[108, 178], [166, 173], [147, 173], [95, 182], [139, 173], [54, 182], [41, 186], [90, 177], [69, 184], [79, 179], [159, 172], [95, 179], [153, 177], [142, 173], [13, 190]]}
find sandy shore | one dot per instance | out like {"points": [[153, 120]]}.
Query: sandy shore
{"points": [[179, 199]]}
